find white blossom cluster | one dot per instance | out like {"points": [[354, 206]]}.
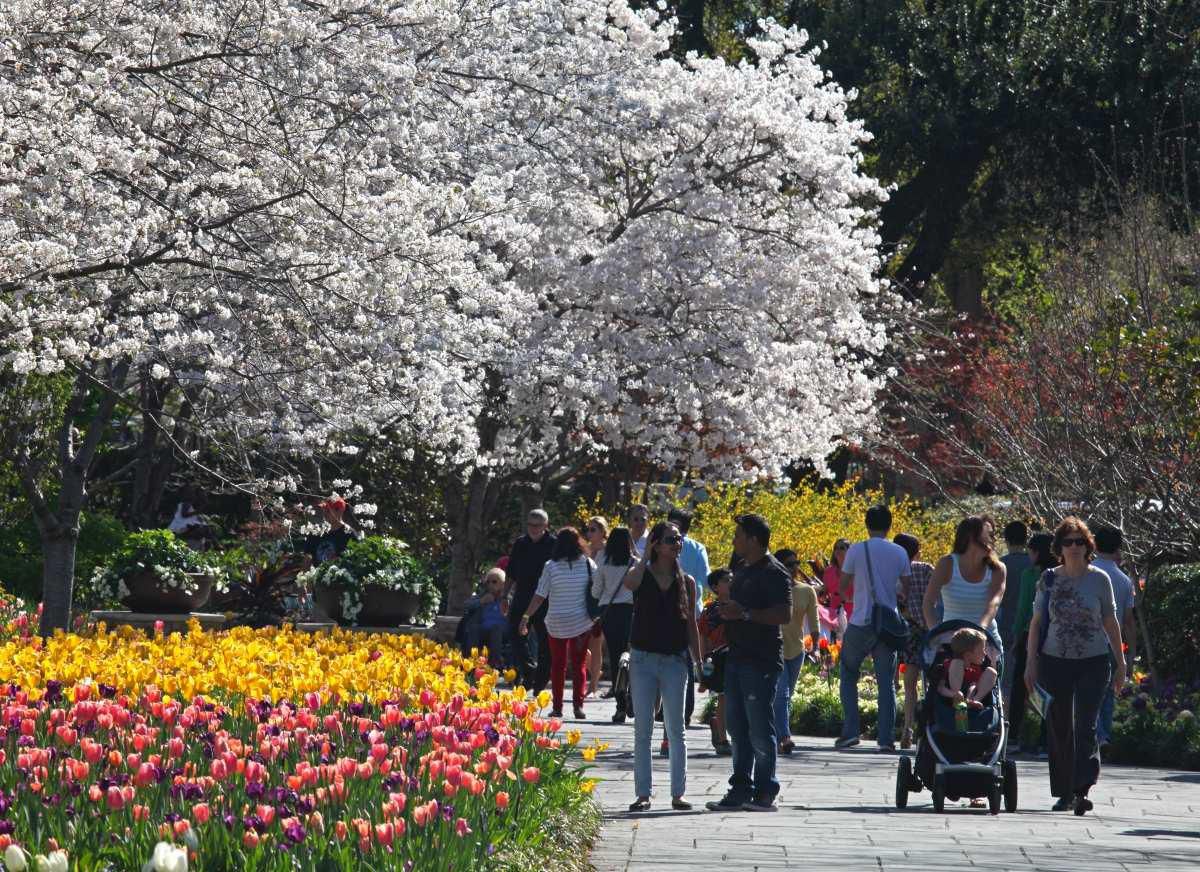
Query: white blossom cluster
{"points": [[512, 228]]}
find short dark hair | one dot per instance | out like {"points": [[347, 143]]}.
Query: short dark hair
{"points": [[1041, 544], [717, 576], [1109, 539], [681, 518], [879, 519], [909, 543], [1016, 533], [783, 555], [756, 527]]}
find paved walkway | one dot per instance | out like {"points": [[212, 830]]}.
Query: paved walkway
{"points": [[837, 812]]}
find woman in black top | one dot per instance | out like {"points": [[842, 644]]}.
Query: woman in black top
{"points": [[664, 630]]}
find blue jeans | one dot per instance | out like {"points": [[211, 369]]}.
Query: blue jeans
{"points": [[1104, 727], [857, 644], [783, 697], [749, 719], [651, 675]]}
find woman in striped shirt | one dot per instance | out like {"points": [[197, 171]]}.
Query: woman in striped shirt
{"points": [[564, 585]]}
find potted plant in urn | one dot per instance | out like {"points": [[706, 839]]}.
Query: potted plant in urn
{"points": [[376, 582], [156, 572]]}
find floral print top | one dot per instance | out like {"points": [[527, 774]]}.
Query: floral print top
{"points": [[1078, 607]]}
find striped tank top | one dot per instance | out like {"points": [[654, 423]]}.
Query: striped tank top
{"points": [[963, 600]]}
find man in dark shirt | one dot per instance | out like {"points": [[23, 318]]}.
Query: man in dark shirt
{"points": [[761, 604], [529, 555]]}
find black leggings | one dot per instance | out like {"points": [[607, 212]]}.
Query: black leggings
{"points": [[1077, 688], [617, 623]]}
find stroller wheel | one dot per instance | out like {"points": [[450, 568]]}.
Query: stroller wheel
{"points": [[994, 799], [939, 794], [903, 779], [1009, 772]]}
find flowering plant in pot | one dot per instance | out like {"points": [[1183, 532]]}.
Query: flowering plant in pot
{"points": [[376, 582], [155, 571]]}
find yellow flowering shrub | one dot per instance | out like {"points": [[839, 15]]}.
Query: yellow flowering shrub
{"points": [[806, 519]]}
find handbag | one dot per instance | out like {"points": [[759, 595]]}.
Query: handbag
{"points": [[713, 677], [886, 621]]}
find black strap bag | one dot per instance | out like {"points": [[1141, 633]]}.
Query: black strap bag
{"points": [[886, 621]]}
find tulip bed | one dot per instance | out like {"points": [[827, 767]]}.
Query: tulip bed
{"points": [[274, 750]]}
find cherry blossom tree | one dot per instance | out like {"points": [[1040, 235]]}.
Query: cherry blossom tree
{"points": [[705, 278], [254, 208]]}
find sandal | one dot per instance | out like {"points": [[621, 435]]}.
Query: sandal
{"points": [[642, 803], [906, 739]]}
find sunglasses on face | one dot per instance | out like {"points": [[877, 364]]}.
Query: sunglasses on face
{"points": [[841, 548], [1081, 542], [672, 540]]}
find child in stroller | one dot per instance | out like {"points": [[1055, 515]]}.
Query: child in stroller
{"points": [[968, 677], [951, 761]]}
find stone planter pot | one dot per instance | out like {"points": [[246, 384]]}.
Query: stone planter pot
{"points": [[381, 607], [148, 593]]}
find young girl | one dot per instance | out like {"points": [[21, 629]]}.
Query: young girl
{"points": [[967, 679], [712, 637]]}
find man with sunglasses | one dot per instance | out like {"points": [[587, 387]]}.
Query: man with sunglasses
{"points": [[529, 555]]}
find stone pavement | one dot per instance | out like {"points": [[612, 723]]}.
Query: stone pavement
{"points": [[837, 811]]}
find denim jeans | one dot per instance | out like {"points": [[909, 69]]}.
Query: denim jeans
{"points": [[856, 645], [1105, 726], [750, 720], [650, 675], [783, 697]]}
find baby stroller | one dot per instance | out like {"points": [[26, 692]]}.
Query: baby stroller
{"points": [[956, 764]]}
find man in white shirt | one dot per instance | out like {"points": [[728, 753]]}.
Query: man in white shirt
{"points": [[1109, 542], [877, 571]]}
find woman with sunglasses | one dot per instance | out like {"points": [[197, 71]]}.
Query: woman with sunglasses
{"points": [[1073, 630], [597, 535], [842, 606], [664, 631]]}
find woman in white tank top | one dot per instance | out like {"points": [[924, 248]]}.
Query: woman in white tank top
{"points": [[970, 581]]}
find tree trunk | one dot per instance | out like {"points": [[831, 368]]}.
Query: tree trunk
{"points": [[58, 577], [470, 510]]}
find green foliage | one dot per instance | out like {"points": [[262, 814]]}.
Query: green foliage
{"points": [[1170, 606], [1157, 729], [378, 561], [157, 550], [100, 536]]}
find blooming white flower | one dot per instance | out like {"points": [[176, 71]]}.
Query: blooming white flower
{"points": [[55, 862], [15, 860], [166, 858]]}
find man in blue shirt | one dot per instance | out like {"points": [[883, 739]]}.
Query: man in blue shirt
{"points": [[693, 558], [1109, 541]]}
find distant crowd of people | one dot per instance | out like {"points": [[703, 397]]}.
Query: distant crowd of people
{"points": [[1057, 610]]}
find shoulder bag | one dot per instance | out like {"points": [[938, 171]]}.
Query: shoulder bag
{"points": [[889, 626]]}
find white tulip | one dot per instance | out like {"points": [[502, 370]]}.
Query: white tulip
{"points": [[168, 858], [56, 862], [15, 860]]}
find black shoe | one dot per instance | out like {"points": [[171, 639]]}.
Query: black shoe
{"points": [[556, 713], [729, 802], [1082, 805], [1064, 804], [579, 715], [640, 805], [618, 717], [723, 749], [762, 802]]}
